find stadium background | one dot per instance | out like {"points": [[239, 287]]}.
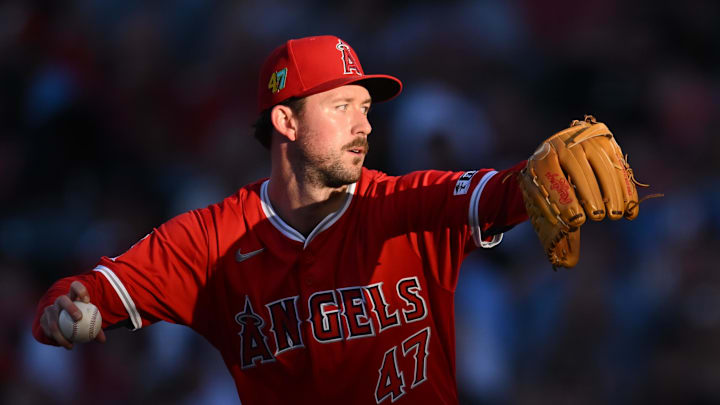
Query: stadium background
{"points": [[117, 115]]}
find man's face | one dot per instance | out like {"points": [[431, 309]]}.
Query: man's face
{"points": [[332, 135]]}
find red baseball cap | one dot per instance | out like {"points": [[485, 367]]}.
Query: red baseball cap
{"points": [[310, 65]]}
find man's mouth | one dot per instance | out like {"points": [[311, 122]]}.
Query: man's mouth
{"points": [[358, 147]]}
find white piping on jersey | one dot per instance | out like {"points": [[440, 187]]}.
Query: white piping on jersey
{"points": [[123, 294], [474, 215], [289, 231]]}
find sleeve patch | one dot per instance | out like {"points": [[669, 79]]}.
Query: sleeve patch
{"points": [[463, 184]]}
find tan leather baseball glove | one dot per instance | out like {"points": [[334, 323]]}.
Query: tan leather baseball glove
{"points": [[578, 173]]}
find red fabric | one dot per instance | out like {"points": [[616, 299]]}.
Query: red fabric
{"points": [[362, 313], [502, 206], [310, 65]]}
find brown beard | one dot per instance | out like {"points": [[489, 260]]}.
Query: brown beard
{"points": [[335, 176], [324, 171]]}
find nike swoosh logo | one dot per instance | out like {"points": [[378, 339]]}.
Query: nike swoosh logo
{"points": [[241, 257]]}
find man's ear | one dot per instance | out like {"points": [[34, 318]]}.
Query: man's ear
{"points": [[285, 122]]}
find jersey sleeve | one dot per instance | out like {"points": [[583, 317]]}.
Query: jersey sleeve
{"points": [[158, 278], [161, 276], [496, 206], [448, 214]]}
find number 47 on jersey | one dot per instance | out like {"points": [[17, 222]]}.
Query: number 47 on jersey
{"points": [[391, 382]]}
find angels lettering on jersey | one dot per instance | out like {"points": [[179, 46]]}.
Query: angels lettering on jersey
{"points": [[334, 315]]}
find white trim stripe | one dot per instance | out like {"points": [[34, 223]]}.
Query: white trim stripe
{"points": [[274, 219], [289, 231], [473, 214], [123, 294], [329, 220]]}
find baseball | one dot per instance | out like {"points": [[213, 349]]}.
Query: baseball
{"points": [[84, 330]]}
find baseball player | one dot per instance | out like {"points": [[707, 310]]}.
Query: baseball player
{"points": [[327, 282]]}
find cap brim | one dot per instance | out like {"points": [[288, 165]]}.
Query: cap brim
{"points": [[381, 87]]}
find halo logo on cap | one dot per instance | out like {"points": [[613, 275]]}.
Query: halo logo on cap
{"points": [[348, 62], [306, 66]]}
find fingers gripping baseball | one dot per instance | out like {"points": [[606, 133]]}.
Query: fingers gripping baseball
{"points": [[49, 320], [51, 327], [78, 292]]}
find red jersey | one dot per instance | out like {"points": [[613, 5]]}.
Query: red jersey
{"points": [[359, 311]]}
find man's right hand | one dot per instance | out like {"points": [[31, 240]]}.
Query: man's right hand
{"points": [[51, 315]]}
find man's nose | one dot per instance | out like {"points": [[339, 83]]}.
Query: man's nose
{"points": [[362, 124]]}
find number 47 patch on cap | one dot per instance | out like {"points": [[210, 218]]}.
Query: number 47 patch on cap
{"points": [[277, 80]]}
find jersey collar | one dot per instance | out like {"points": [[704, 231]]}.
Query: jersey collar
{"points": [[289, 231]]}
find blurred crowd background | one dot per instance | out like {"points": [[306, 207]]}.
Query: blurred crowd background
{"points": [[117, 115]]}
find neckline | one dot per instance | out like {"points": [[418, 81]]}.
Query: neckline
{"points": [[291, 232]]}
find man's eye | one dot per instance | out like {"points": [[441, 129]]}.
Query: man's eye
{"points": [[342, 107], [366, 110]]}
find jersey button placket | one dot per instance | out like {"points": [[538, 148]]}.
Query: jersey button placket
{"points": [[305, 266]]}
